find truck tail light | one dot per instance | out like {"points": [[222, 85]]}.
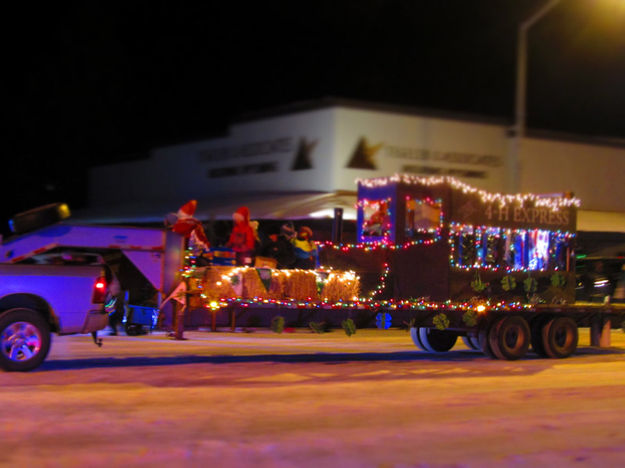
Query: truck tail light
{"points": [[99, 291]]}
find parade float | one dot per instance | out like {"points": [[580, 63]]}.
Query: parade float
{"points": [[440, 257]]}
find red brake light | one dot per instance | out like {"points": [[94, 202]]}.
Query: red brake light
{"points": [[99, 291]]}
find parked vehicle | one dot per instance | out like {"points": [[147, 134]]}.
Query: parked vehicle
{"points": [[38, 300], [145, 261], [597, 278]]}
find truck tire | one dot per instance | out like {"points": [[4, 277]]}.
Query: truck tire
{"points": [[537, 336], [39, 217], [414, 334], [509, 337], [482, 337], [133, 329], [437, 341], [24, 339], [560, 337], [472, 342]]}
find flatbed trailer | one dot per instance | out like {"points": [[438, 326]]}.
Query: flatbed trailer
{"points": [[500, 330]]}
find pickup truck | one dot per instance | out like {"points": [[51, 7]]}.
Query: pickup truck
{"points": [[37, 300]]}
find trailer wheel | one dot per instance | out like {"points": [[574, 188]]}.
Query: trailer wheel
{"points": [[24, 340], [482, 337], [414, 334], [437, 341], [509, 338], [537, 336], [472, 342], [560, 337], [133, 329]]}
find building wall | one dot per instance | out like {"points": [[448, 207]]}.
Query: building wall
{"points": [[595, 173], [373, 144], [281, 154]]}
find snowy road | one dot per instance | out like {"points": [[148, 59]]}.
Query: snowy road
{"points": [[303, 400]]}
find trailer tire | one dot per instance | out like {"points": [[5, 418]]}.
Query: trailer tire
{"points": [[414, 334], [538, 346], [472, 342], [509, 337], [560, 337], [24, 340], [484, 344], [133, 329], [437, 341]]}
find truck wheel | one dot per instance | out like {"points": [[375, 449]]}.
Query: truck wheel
{"points": [[24, 340], [437, 341], [560, 337], [132, 329], [482, 337], [414, 334], [509, 337], [472, 342], [537, 336]]}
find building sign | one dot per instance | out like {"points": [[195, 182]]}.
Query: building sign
{"points": [[423, 161], [247, 150], [301, 157]]}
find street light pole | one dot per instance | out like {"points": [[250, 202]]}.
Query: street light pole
{"points": [[520, 96]]}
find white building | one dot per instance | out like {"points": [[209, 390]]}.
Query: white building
{"points": [[302, 161]]}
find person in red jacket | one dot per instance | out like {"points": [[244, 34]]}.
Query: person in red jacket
{"points": [[242, 237], [184, 223]]}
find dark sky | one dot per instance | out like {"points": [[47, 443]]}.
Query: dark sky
{"points": [[105, 81]]}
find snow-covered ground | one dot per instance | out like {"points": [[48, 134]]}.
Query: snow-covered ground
{"points": [[307, 400]]}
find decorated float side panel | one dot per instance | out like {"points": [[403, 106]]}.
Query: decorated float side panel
{"points": [[511, 248], [525, 287], [412, 272], [377, 214], [515, 212], [421, 214], [367, 264], [400, 213], [420, 271], [473, 241]]}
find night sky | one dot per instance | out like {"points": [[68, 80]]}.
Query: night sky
{"points": [[101, 82]]}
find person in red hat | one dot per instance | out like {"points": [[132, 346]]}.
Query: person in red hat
{"points": [[182, 222], [242, 238], [306, 253]]}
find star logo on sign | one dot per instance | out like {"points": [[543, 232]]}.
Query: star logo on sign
{"points": [[363, 155], [302, 154]]}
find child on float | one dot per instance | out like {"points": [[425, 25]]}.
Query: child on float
{"points": [[306, 252]]}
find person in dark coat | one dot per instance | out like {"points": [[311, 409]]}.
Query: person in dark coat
{"points": [[116, 316], [280, 248]]}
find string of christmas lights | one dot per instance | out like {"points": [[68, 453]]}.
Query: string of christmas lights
{"points": [[503, 244], [381, 244], [552, 202], [382, 284], [369, 304]]}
